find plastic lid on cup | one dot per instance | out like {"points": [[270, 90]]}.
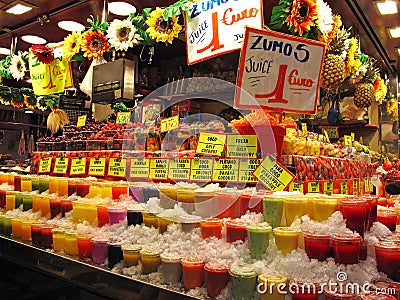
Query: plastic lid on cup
{"points": [[261, 227], [237, 223], [346, 237], [84, 236], [286, 230], [192, 260], [337, 295], [100, 240], [150, 253], [316, 235], [242, 271], [131, 247], [377, 296], [215, 267], [388, 245], [171, 257], [212, 220], [189, 219], [387, 213], [271, 278]]}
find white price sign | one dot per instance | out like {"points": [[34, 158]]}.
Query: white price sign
{"points": [[279, 71], [216, 27]]}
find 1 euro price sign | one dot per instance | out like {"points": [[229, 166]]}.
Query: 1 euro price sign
{"points": [[216, 27], [123, 117], [169, 123]]}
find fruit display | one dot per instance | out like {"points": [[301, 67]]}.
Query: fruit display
{"points": [[364, 94]]}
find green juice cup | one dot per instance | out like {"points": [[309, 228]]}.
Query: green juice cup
{"points": [[19, 199], [1, 222], [258, 239], [43, 184], [244, 281], [35, 183], [273, 209], [7, 228], [27, 201]]}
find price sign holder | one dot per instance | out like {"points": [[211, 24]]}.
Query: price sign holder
{"points": [[117, 167], [123, 117], [202, 169], [226, 170], [45, 165], [97, 166], [179, 169], [242, 146], [246, 169], [158, 168], [61, 165]]}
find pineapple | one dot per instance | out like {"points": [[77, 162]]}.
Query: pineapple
{"points": [[364, 94], [332, 75]]}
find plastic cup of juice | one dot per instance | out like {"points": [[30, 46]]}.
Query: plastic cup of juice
{"points": [[35, 202], [99, 250], [2, 198], [53, 185], [324, 208], [102, 214], [295, 207], [205, 203], [66, 206], [62, 187], [216, 278], [26, 229], [387, 218], [187, 198], [106, 190], [250, 201], [58, 239], [193, 272], [43, 184], [236, 230], [258, 239], [27, 201], [36, 233], [189, 222], [7, 225], [35, 183], [244, 281], [17, 183], [273, 209], [119, 189], [388, 259], [286, 239], [72, 186], [164, 221], [134, 216], [151, 260], [150, 219], [10, 200], [171, 268], [19, 200], [71, 243], [84, 246], [211, 227], [355, 214], [302, 290], [317, 246], [115, 254], [346, 248], [272, 287], [331, 294], [82, 188], [116, 214], [228, 203], [46, 236], [44, 204], [55, 206], [168, 195], [16, 227], [131, 255]]}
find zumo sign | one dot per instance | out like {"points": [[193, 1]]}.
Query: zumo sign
{"points": [[281, 72], [215, 27]]}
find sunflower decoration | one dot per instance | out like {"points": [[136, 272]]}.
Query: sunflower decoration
{"points": [[17, 67], [43, 54], [94, 44], [392, 109], [5, 67], [122, 34], [72, 44], [380, 89], [41, 103], [30, 100], [17, 100], [5, 96], [162, 29]]}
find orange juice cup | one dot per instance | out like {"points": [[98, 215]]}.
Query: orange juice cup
{"points": [[62, 187], [16, 227], [228, 203], [26, 229], [53, 185], [193, 272], [211, 227], [10, 200]]}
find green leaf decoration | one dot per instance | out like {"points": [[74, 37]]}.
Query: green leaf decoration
{"points": [[146, 13]]}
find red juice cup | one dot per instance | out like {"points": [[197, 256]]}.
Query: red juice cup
{"points": [[363, 250], [317, 246], [119, 189], [355, 213], [383, 285], [116, 214], [216, 278], [3, 199], [346, 248], [84, 245], [388, 258], [250, 201], [102, 215], [236, 230], [211, 227], [373, 212], [66, 206], [99, 250], [333, 293], [17, 183], [376, 296], [193, 272], [304, 291], [228, 203], [72, 187], [46, 236], [36, 234], [82, 188], [387, 218], [55, 207]]}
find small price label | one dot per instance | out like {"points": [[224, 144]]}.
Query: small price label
{"points": [[139, 168], [290, 131], [273, 175], [313, 187], [352, 134], [355, 186], [347, 140], [117, 167], [61, 165], [331, 131], [159, 168], [169, 123], [81, 121], [123, 117], [97, 166], [344, 188], [78, 166], [45, 165], [179, 169], [328, 187], [211, 143], [304, 128], [327, 136], [244, 146], [366, 185], [246, 169], [360, 186], [226, 170], [202, 169], [296, 187]]}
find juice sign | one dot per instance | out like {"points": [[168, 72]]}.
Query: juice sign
{"points": [[78, 166], [211, 143], [216, 27], [45, 165], [97, 166], [61, 165], [123, 117], [117, 167], [279, 72], [81, 121]]}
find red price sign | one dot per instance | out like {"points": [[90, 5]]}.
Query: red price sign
{"points": [[281, 72]]}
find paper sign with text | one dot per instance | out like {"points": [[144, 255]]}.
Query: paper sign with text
{"points": [[81, 121], [216, 27], [97, 166], [279, 72], [242, 146], [169, 123], [78, 166], [45, 165], [344, 189], [296, 187], [211, 143], [331, 131], [202, 169], [226, 170], [139, 168], [179, 169], [117, 167], [159, 168], [313, 187], [61, 165], [123, 117], [273, 175], [246, 169], [347, 140]]}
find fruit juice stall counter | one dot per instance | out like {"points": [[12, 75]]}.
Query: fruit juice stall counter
{"points": [[84, 275]]}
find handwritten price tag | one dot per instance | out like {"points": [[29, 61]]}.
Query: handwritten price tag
{"points": [[117, 167], [78, 166], [347, 140], [81, 121], [353, 136], [226, 170], [202, 169], [328, 187], [273, 175], [332, 132], [169, 123], [242, 146], [159, 168], [313, 187], [139, 168], [45, 165], [97, 166], [179, 169], [344, 189], [246, 169], [211, 143], [123, 117], [61, 165], [296, 186], [304, 128]]}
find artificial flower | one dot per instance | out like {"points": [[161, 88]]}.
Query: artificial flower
{"points": [[17, 100], [43, 54], [94, 44], [122, 34], [392, 109], [17, 67], [72, 44], [357, 76], [162, 30], [303, 15], [380, 89], [337, 23], [352, 62], [325, 19], [41, 103]]}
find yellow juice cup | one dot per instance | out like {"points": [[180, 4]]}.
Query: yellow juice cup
{"points": [[94, 192], [163, 222], [71, 244], [26, 229], [286, 239], [90, 212], [26, 184], [150, 219], [59, 239], [36, 202], [295, 207], [3, 178], [16, 227], [106, 190], [44, 204], [53, 185], [150, 261], [62, 187], [11, 178], [131, 254], [78, 211], [10, 200], [272, 287], [324, 208]]}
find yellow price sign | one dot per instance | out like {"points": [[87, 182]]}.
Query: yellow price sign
{"points": [[290, 131], [139, 168], [246, 168], [360, 186], [313, 187], [366, 185], [61, 165], [97, 166], [328, 187], [169, 123], [159, 168], [355, 186], [78, 166], [226, 170], [344, 188], [244, 146], [45, 165], [81, 121], [273, 175], [371, 185], [211, 143], [296, 187], [331, 131], [179, 169], [123, 117], [304, 128], [347, 140], [117, 167], [202, 169], [353, 135]]}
